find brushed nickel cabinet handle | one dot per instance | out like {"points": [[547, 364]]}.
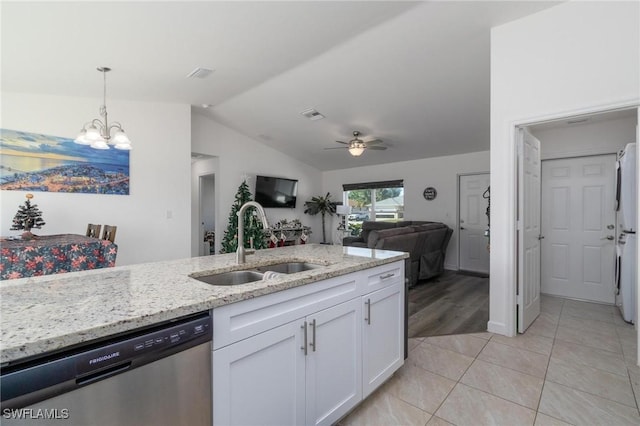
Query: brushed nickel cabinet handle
{"points": [[313, 335], [384, 277], [304, 345], [368, 317]]}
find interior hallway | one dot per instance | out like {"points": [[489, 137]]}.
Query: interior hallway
{"points": [[575, 365]]}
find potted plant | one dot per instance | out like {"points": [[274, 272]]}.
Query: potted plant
{"points": [[322, 205]]}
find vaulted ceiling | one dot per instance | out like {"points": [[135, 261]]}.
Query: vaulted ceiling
{"points": [[414, 74]]}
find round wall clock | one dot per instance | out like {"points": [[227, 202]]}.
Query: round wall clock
{"points": [[429, 193]]}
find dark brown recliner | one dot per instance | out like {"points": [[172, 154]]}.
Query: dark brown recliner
{"points": [[426, 243]]}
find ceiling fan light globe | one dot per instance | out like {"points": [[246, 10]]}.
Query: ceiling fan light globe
{"points": [[356, 151]]}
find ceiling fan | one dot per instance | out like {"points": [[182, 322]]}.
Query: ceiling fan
{"points": [[356, 146]]}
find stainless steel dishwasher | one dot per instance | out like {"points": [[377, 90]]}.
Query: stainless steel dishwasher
{"points": [[153, 376]]}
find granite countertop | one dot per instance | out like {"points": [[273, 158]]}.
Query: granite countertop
{"points": [[47, 313]]}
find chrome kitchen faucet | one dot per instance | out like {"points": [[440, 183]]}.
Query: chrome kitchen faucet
{"points": [[240, 253]]}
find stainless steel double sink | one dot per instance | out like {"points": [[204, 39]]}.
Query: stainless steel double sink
{"points": [[255, 274]]}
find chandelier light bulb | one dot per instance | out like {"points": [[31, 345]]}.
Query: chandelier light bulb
{"points": [[120, 137], [100, 144], [82, 138], [92, 134], [123, 146]]}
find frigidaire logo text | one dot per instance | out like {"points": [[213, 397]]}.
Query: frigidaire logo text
{"points": [[104, 358]]}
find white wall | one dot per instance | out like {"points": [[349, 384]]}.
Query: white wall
{"points": [[599, 137], [439, 172], [576, 57], [159, 173], [240, 156]]}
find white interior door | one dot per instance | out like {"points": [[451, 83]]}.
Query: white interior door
{"points": [[528, 229], [474, 255], [578, 224]]}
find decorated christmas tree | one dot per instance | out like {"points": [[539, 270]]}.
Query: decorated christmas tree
{"points": [[252, 227], [28, 217]]}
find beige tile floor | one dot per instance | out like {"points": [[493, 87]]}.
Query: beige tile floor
{"points": [[575, 365]]}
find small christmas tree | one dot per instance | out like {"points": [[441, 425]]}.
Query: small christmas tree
{"points": [[252, 227], [28, 217]]}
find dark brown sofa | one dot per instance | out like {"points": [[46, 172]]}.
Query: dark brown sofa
{"points": [[426, 243]]}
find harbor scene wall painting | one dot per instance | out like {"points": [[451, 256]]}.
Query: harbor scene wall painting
{"points": [[36, 162]]}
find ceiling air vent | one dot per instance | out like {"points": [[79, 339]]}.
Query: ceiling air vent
{"points": [[312, 114], [200, 73]]}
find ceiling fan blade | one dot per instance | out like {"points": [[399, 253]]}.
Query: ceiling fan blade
{"points": [[374, 142], [346, 143], [377, 147], [338, 147]]}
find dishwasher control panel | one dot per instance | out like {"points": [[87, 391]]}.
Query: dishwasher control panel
{"points": [[54, 374], [149, 343]]}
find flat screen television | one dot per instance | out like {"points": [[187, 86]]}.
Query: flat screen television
{"points": [[276, 192]]}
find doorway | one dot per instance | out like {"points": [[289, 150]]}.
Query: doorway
{"points": [[578, 225], [204, 169], [207, 208], [473, 222], [590, 135]]}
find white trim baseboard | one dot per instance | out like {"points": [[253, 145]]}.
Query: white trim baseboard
{"points": [[499, 328]]}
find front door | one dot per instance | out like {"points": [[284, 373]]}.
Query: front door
{"points": [[528, 229], [474, 253], [578, 224]]}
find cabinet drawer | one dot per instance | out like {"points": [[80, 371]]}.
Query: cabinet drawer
{"points": [[238, 321], [383, 276]]}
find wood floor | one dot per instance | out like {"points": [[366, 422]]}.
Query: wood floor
{"points": [[452, 303]]}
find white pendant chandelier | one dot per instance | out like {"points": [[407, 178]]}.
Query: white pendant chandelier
{"points": [[97, 133]]}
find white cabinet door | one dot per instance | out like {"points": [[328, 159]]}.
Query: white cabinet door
{"points": [[334, 351], [261, 380], [382, 337]]}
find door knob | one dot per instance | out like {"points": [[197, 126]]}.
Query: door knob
{"points": [[540, 237], [608, 237], [462, 228]]}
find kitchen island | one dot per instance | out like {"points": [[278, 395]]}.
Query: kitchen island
{"points": [[47, 314]]}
